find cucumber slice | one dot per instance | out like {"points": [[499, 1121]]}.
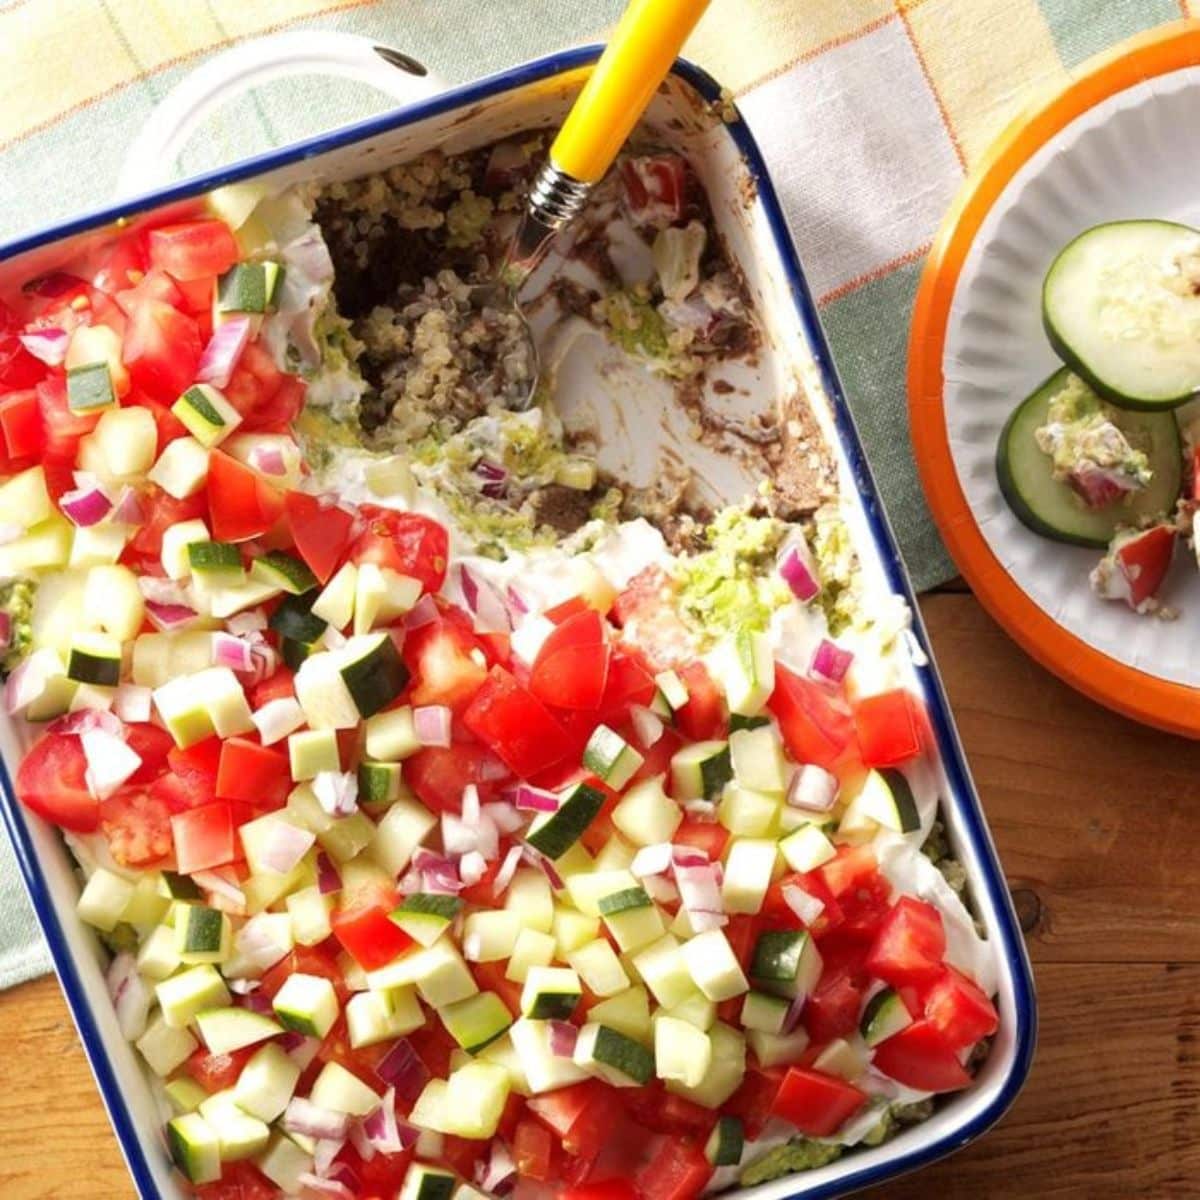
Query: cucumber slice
{"points": [[390, 736], [672, 689], [373, 672], [632, 918], [184, 995], [239, 1135], [94, 658], [294, 652], [599, 968], [664, 970], [179, 887], [555, 833], [610, 757], [681, 1051], [613, 1057], [307, 1004], [628, 1012], [490, 935], [216, 564], [757, 759], [206, 414], [283, 571], [477, 1021], [700, 771], [887, 799], [1048, 506], [726, 1143], [294, 619], [884, 1015], [646, 815], [284, 1163], [764, 1013], [713, 966], [785, 962], [337, 1089], [544, 1070], [181, 469], [425, 917], [90, 388], [745, 667], [427, 1183], [164, 1048], [249, 287], [266, 1082], [312, 751], [185, 1094], [476, 1094], [1119, 307], [194, 1148], [227, 1029], [103, 901], [550, 994], [202, 935], [379, 784]]}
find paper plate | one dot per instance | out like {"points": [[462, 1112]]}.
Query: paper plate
{"points": [[1118, 143]]}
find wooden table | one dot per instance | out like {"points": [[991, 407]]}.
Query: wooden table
{"points": [[1096, 822]]}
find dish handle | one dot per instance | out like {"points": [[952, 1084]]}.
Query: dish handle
{"points": [[233, 71]]}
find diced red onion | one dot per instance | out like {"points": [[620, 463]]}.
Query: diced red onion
{"points": [[277, 718], [224, 348], [654, 860], [515, 601], [88, 718], [110, 762], [660, 889], [5, 630], [431, 724], [507, 163], [384, 1132], [458, 837], [495, 479], [830, 662], [402, 1069], [269, 460], [328, 879], [470, 804], [539, 860], [231, 652], [244, 987], [499, 1174], [563, 1036], [284, 846], [527, 798], [688, 856], [29, 679], [216, 883], [792, 1018], [304, 1117], [701, 920], [799, 573], [46, 345], [700, 888], [647, 725], [805, 905], [472, 867], [422, 613], [162, 591], [167, 618], [132, 702], [508, 868], [344, 1173], [253, 620], [302, 1050], [252, 1001], [504, 816], [85, 507], [486, 604], [128, 508], [336, 792], [438, 874], [813, 789], [704, 810], [130, 996]]}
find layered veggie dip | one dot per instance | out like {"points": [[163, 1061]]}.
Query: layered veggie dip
{"points": [[460, 819]]}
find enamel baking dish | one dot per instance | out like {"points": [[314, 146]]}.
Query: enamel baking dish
{"points": [[689, 115]]}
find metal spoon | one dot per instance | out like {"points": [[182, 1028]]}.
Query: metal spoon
{"points": [[617, 93]]}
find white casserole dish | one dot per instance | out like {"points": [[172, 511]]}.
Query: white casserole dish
{"points": [[688, 115]]}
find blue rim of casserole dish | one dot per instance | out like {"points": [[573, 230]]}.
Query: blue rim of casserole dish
{"points": [[1007, 932]]}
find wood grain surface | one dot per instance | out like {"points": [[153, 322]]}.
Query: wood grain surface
{"points": [[1096, 822]]}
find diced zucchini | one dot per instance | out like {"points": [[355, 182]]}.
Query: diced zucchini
{"points": [[202, 934], [713, 966], [227, 1029], [441, 975], [786, 962], [196, 706], [178, 887], [777, 1049], [206, 414], [335, 604], [312, 751], [185, 1095], [427, 1183], [631, 917], [886, 798], [726, 1142], [646, 815], [90, 388], [373, 672], [665, 971], [681, 1051], [550, 994], [749, 869], [628, 1012], [104, 899], [476, 1094], [98, 545], [700, 771], [555, 833], [175, 541], [216, 564], [266, 1082], [390, 735], [373, 1017], [425, 917], [532, 949], [184, 995], [598, 966], [807, 848], [310, 912], [400, 831], [764, 1012], [672, 688], [294, 619], [24, 499], [239, 1134], [193, 1144], [884, 1015], [757, 758], [126, 438], [545, 1071], [165, 1047], [323, 694], [380, 784], [182, 468], [306, 1004], [613, 1056], [147, 906], [283, 1163], [745, 667], [391, 476], [381, 595], [572, 929], [845, 1057], [476, 1021], [112, 598], [724, 1074], [697, 1010], [490, 935], [747, 813], [335, 1088], [249, 287], [610, 757], [615, 855], [283, 571], [530, 897], [45, 546], [586, 889]]}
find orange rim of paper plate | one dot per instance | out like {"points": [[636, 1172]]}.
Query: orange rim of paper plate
{"points": [[1137, 694]]}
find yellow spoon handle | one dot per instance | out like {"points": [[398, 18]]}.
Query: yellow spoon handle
{"points": [[645, 44]]}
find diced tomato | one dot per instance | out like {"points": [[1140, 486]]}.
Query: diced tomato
{"points": [[241, 504], [435, 1047], [180, 794], [533, 1150], [51, 783], [910, 945], [814, 728], [491, 977], [59, 473], [679, 1171], [321, 532], [515, 725], [200, 760], [159, 512], [564, 610], [438, 774], [18, 368], [655, 1108], [703, 716], [572, 666], [367, 933], [204, 837], [960, 1009], [193, 249], [137, 825], [63, 428], [607, 1189], [216, 1072], [655, 188], [439, 657], [832, 1010], [851, 867], [709, 836], [628, 683], [21, 424], [277, 414], [582, 1115], [463, 1154], [152, 745], [154, 285], [383, 1176], [239, 1181], [406, 542], [162, 350], [256, 774], [304, 960], [887, 728], [1143, 559], [649, 620], [279, 685], [754, 1098], [817, 1104], [920, 1057]]}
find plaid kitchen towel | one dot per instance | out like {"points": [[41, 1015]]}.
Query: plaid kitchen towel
{"points": [[868, 111]]}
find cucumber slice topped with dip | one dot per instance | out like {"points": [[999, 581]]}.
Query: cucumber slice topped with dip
{"points": [[1121, 306], [1074, 468]]}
